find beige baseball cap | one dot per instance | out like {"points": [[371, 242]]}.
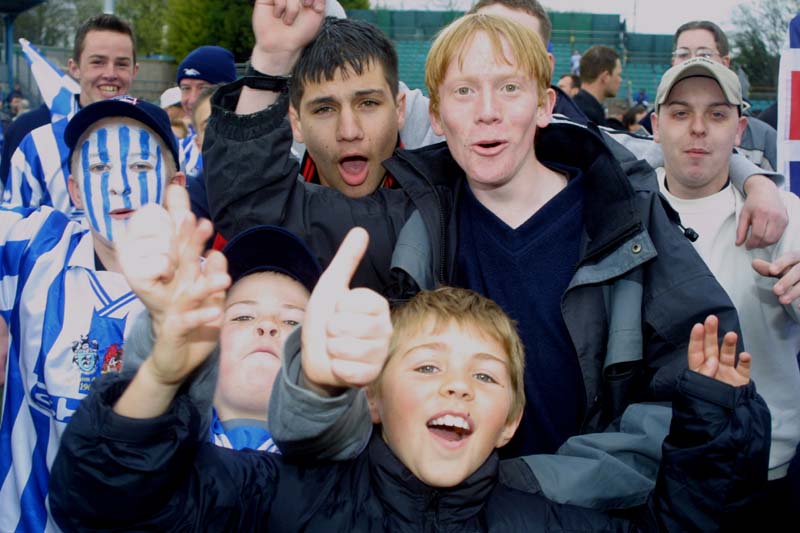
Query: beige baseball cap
{"points": [[705, 68]]}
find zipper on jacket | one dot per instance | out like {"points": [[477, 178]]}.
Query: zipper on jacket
{"points": [[442, 225], [432, 512]]}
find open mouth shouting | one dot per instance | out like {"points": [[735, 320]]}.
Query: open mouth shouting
{"points": [[452, 429], [354, 169]]}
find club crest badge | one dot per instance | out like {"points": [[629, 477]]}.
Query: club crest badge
{"points": [[84, 354]]}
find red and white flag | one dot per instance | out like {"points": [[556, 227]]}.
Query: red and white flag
{"points": [[789, 109]]}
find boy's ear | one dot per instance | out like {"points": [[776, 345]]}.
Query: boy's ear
{"points": [[178, 179], [545, 112], [401, 110], [373, 398], [74, 192], [74, 69], [508, 431], [294, 119], [436, 123]]}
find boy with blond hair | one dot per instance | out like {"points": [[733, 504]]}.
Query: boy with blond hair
{"points": [[445, 385]]}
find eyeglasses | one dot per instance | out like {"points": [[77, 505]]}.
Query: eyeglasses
{"points": [[682, 54]]}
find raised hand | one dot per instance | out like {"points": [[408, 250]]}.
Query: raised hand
{"points": [[787, 269], [709, 359], [282, 28], [190, 297], [191, 294], [148, 251], [346, 332]]}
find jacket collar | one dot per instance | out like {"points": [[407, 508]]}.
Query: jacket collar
{"points": [[407, 498], [609, 202], [609, 208]]}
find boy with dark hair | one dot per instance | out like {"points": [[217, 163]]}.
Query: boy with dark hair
{"points": [[346, 110], [345, 52], [65, 302], [445, 387], [104, 64]]}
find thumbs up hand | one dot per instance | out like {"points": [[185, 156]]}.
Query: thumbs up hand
{"points": [[346, 332]]}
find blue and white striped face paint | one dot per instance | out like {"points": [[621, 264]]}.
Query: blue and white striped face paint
{"points": [[122, 168]]}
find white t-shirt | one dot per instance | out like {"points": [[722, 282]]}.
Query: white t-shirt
{"points": [[771, 331]]}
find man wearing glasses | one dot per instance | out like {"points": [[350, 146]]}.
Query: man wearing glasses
{"points": [[703, 38]]}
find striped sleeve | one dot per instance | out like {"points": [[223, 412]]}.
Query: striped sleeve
{"points": [[18, 227]]}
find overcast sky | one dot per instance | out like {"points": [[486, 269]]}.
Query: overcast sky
{"points": [[642, 16]]}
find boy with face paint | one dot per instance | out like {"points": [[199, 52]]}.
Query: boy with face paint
{"points": [[63, 297]]}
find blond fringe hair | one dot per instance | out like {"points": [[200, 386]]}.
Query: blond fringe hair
{"points": [[530, 55], [442, 307]]}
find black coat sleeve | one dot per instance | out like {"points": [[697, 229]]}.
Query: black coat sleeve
{"points": [[250, 174], [715, 458], [119, 473]]}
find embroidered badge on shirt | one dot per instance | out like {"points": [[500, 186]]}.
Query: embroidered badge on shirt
{"points": [[85, 354]]}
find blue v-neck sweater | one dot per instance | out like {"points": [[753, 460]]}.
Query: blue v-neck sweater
{"points": [[526, 271]]}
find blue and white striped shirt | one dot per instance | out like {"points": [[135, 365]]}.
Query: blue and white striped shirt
{"points": [[66, 326], [191, 156], [241, 436], [39, 169]]}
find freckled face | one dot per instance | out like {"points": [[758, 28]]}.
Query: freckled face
{"points": [[443, 401], [489, 112]]}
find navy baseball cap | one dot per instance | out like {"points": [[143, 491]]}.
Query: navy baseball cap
{"points": [[271, 249], [213, 64], [148, 114]]}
